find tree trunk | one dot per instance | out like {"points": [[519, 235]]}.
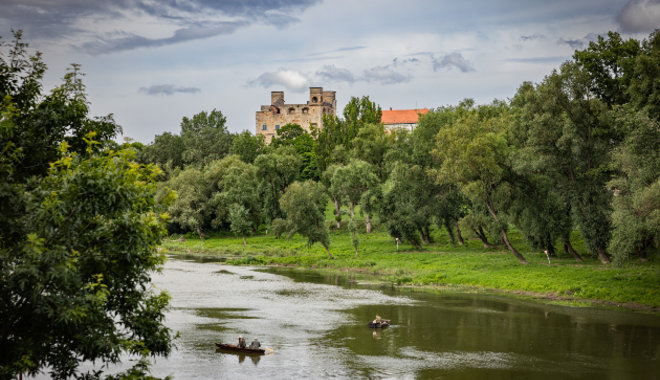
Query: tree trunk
{"points": [[482, 236], [352, 210], [367, 222], [641, 251], [199, 232], [327, 250], [602, 255], [517, 254], [356, 253], [569, 249], [425, 238], [505, 238], [427, 232], [450, 232], [459, 236], [337, 212], [244, 241]]}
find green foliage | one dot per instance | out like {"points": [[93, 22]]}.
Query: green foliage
{"points": [[293, 135], [43, 121], [609, 62], [189, 206], [204, 138], [644, 89], [75, 285], [304, 205], [636, 216], [350, 182], [276, 171], [247, 146], [568, 135], [340, 133]]}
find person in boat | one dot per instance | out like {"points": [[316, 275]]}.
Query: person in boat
{"points": [[378, 319], [241, 342], [255, 345]]}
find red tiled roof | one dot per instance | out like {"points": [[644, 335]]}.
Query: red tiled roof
{"points": [[402, 116]]}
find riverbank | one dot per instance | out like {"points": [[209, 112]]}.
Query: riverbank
{"points": [[635, 286]]}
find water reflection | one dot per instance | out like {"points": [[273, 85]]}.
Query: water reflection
{"points": [[318, 330]]}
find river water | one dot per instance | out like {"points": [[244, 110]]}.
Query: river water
{"points": [[317, 328]]}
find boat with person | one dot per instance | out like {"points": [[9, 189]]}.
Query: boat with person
{"points": [[234, 348], [379, 323]]}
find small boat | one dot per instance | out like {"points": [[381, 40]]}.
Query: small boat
{"points": [[380, 325], [235, 348]]}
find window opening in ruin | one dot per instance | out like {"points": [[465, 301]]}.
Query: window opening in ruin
{"points": [[315, 99], [264, 127], [277, 127], [305, 110], [291, 110]]}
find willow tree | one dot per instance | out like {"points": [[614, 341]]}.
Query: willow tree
{"points": [[304, 205], [475, 154], [568, 134]]}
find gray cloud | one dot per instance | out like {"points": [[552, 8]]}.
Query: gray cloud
{"points": [[167, 89], [532, 37], [104, 45], [454, 59], [574, 44], [59, 20], [384, 75], [538, 59], [578, 43], [333, 73], [639, 16]]}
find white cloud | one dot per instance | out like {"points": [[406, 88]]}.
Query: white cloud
{"points": [[289, 79]]}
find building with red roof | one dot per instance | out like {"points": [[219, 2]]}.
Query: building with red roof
{"points": [[395, 119]]}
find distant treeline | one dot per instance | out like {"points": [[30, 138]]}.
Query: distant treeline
{"points": [[577, 151]]}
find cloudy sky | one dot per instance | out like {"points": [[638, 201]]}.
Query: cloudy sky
{"points": [[151, 62]]}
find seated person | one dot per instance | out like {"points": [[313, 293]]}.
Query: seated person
{"points": [[255, 344], [241, 342]]}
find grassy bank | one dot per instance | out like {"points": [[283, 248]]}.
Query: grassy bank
{"points": [[634, 286]]}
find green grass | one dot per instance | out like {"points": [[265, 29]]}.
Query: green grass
{"points": [[635, 286]]}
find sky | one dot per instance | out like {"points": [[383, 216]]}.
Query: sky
{"points": [[152, 62]]}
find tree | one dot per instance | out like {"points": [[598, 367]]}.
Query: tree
{"points": [[79, 231], [609, 63], [240, 196], [248, 146], [350, 182], [240, 220], [276, 170], [371, 145], [475, 154], [337, 132], [205, 138], [293, 135], [644, 89], [304, 205], [188, 210], [636, 204], [568, 135]]}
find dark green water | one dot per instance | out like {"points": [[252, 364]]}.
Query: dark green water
{"points": [[316, 326]]}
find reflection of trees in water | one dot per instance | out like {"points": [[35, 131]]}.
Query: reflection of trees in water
{"points": [[477, 324]]}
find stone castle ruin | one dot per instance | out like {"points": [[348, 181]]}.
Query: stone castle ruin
{"points": [[271, 117]]}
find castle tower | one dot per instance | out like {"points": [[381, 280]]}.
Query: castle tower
{"points": [[271, 117]]}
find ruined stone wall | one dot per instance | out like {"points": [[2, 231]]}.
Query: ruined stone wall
{"points": [[272, 117]]}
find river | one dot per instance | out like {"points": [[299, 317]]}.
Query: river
{"points": [[317, 328]]}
